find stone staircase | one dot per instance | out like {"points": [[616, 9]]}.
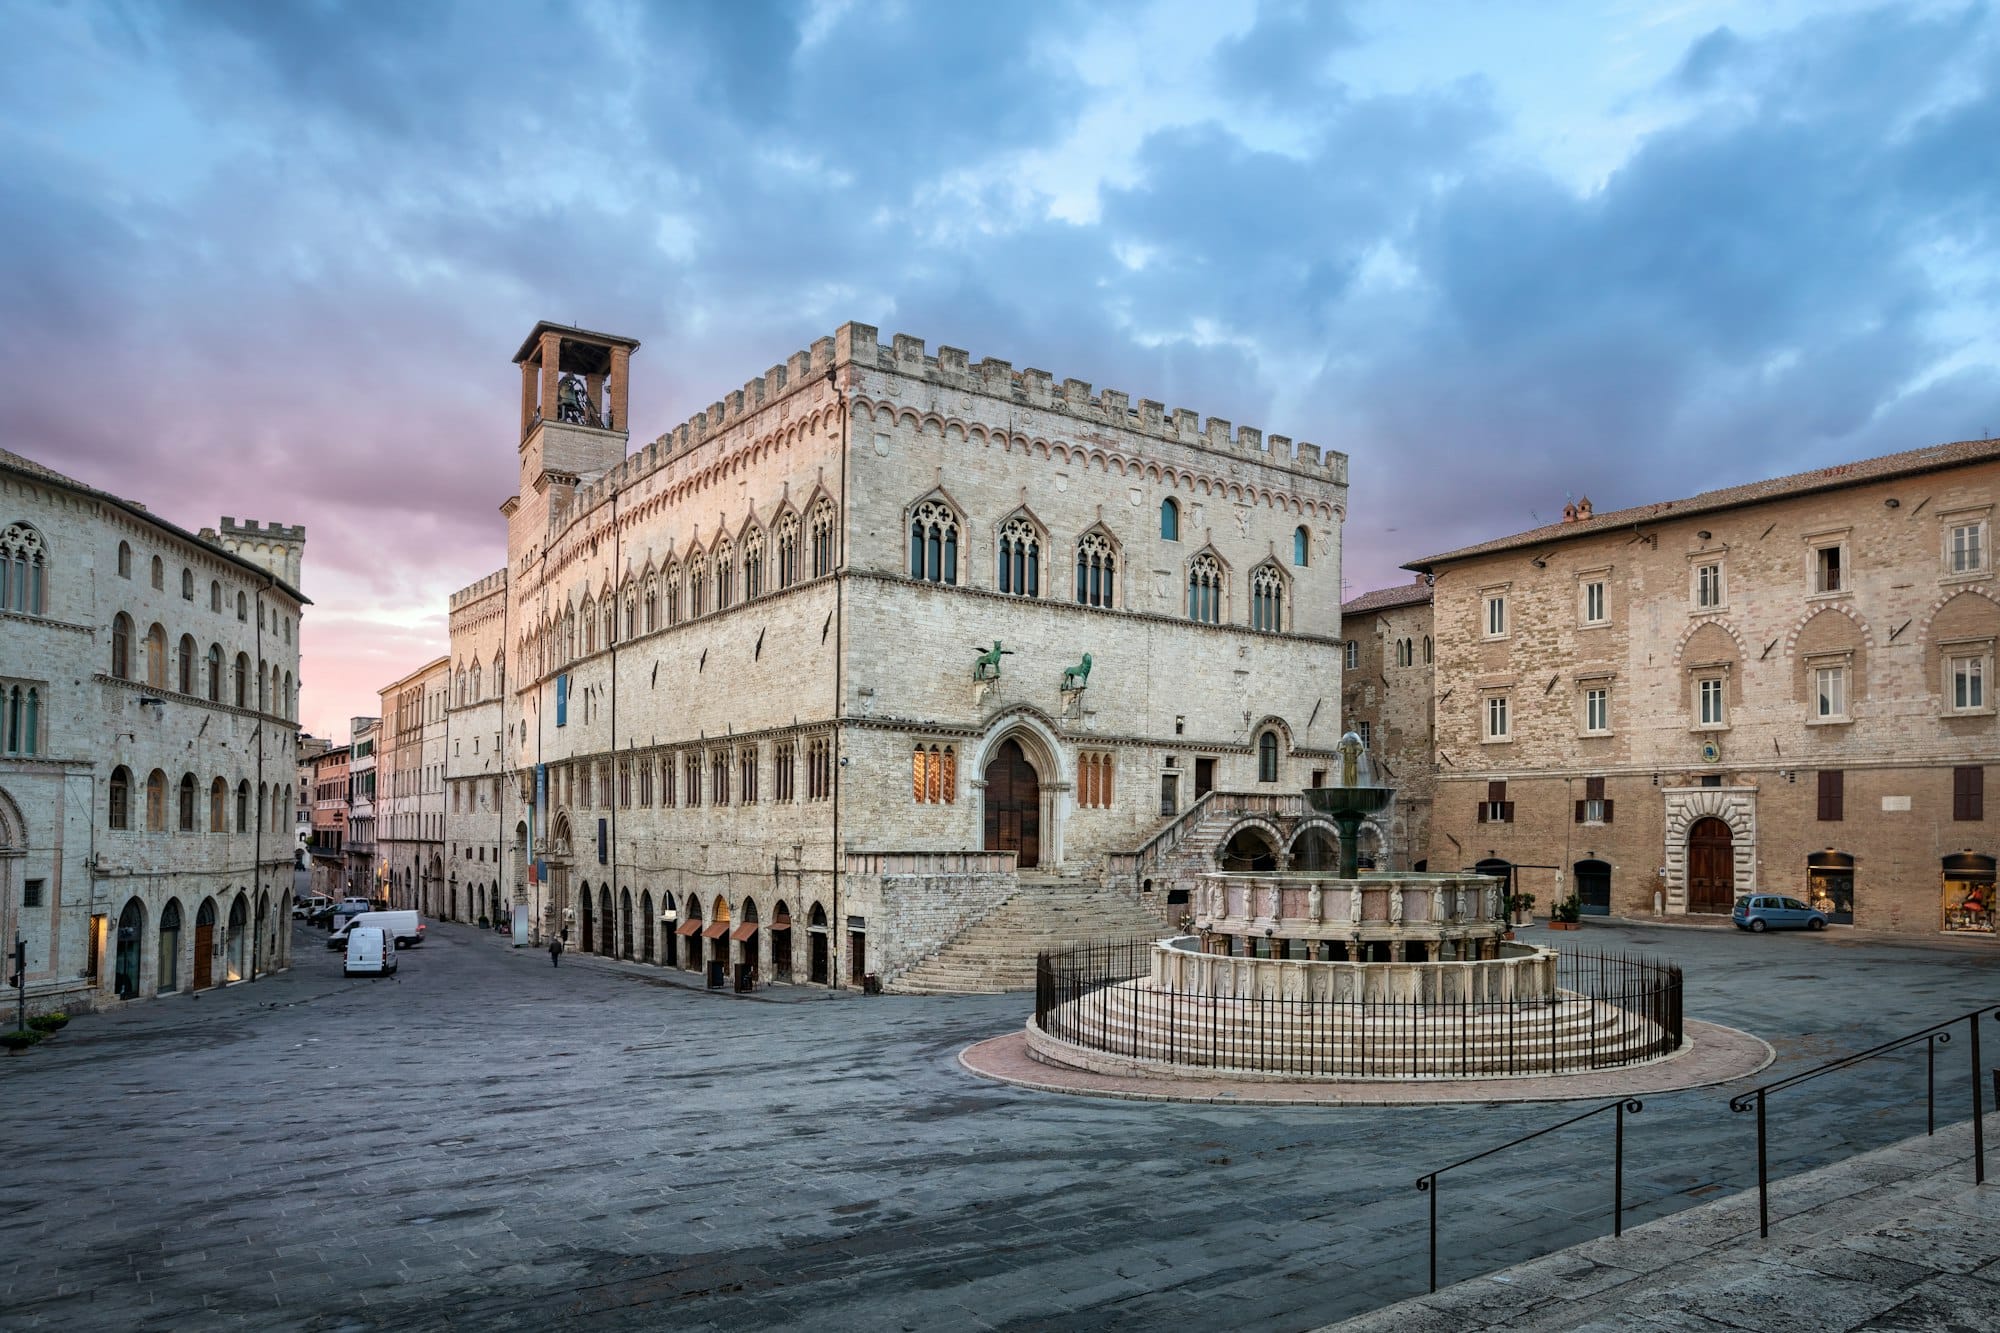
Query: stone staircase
{"points": [[1046, 912]]}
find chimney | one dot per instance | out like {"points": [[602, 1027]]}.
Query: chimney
{"points": [[1583, 509]]}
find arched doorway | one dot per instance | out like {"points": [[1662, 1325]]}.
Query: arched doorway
{"points": [[625, 923], [646, 926], [1316, 849], [1711, 867], [170, 947], [690, 931], [265, 948], [1501, 870], [781, 942], [1014, 805], [1249, 848], [1593, 887], [818, 967], [1830, 885], [131, 934], [606, 922], [238, 945], [586, 904], [746, 934], [716, 932], [204, 945]]}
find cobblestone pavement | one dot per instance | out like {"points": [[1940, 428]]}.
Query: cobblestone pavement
{"points": [[489, 1142]]}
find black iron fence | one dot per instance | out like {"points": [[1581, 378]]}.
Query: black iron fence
{"points": [[1609, 1010]]}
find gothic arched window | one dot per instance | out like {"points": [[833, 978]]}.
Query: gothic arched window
{"points": [[673, 594], [723, 564], [1205, 589], [1267, 599], [119, 815], [785, 533], [822, 537], [934, 543], [697, 580], [156, 657], [652, 602], [631, 600], [1096, 568], [23, 570], [475, 683], [587, 615], [1020, 558], [1170, 519], [753, 564], [186, 812], [21, 724], [121, 646]]}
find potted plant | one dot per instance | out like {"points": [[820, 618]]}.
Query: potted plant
{"points": [[1563, 916], [20, 1039], [48, 1023], [1521, 909]]}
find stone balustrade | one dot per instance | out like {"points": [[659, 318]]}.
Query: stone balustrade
{"points": [[1522, 972], [1289, 905]]}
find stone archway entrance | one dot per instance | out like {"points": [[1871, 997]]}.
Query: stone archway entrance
{"points": [[1711, 867], [1014, 805], [131, 934], [1593, 887]]}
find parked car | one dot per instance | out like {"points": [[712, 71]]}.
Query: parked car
{"points": [[313, 908], [371, 950], [406, 926], [1771, 911]]}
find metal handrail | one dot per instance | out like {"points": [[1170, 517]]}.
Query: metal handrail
{"points": [[1427, 1183], [1934, 1036]]}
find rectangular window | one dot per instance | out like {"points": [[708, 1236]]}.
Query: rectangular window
{"points": [[1832, 795], [1830, 692], [1968, 792], [1496, 615], [1965, 548], [1711, 713], [1708, 586], [746, 774], [562, 700], [1351, 655], [1496, 718], [1968, 683], [783, 760], [1597, 711], [31, 893], [1361, 730], [1594, 808], [1826, 569], [1496, 808], [1593, 603]]}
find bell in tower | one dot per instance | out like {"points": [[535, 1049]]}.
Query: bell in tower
{"points": [[574, 377]]}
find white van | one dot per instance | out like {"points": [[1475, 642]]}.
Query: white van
{"points": [[370, 950], [406, 927]]}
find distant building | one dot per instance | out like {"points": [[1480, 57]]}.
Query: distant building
{"points": [[330, 793], [148, 721], [363, 733], [1785, 686], [410, 798], [310, 747], [1385, 684]]}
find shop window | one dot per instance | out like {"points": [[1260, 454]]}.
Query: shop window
{"points": [[1968, 893], [1830, 885]]}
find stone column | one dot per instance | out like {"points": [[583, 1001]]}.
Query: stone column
{"points": [[528, 374], [551, 373], [621, 362]]}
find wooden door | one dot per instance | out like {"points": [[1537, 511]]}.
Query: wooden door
{"points": [[1014, 806], [204, 956], [1711, 867]]}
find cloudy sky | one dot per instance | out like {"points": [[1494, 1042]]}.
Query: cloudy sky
{"points": [[272, 259]]}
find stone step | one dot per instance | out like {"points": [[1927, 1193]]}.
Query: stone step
{"points": [[998, 953]]}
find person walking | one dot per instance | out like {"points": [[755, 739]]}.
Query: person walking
{"points": [[555, 951]]}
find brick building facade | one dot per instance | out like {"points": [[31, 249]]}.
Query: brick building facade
{"points": [[1387, 698], [1784, 686]]}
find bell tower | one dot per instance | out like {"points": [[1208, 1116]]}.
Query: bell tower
{"points": [[573, 416]]}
